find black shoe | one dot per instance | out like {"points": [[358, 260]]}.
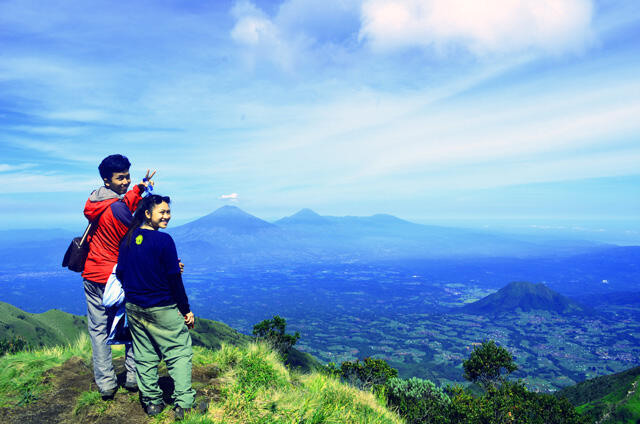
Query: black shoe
{"points": [[109, 393], [131, 386], [154, 409], [179, 412]]}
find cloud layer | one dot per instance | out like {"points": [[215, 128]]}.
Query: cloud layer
{"points": [[482, 27], [352, 106]]}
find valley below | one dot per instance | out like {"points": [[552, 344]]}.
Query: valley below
{"points": [[405, 313]]}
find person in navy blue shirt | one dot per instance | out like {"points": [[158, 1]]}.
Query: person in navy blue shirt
{"points": [[157, 306]]}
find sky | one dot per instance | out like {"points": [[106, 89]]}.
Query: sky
{"points": [[430, 110]]}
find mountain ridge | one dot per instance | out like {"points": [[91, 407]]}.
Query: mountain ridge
{"points": [[230, 235]]}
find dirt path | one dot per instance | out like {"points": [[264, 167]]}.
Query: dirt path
{"points": [[68, 381]]}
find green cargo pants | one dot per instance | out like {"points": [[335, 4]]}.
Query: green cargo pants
{"points": [[160, 333]]}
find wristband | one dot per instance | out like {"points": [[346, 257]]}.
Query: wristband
{"points": [[149, 187]]}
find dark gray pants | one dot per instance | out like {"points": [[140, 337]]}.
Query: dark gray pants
{"points": [[103, 371]]}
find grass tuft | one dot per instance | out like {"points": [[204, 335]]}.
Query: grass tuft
{"points": [[86, 400], [257, 388], [21, 373]]}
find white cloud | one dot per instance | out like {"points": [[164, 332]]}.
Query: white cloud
{"points": [[232, 197], [6, 167], [80, 115], [261, 36], [252, 26], [489, 27], [20, 182]]}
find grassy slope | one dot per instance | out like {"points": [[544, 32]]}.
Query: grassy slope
{"points": [[251, 385], [50, 328], [615, 396], [55, 327]]}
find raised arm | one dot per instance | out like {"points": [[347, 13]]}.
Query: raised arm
{"points": [[133, 196]]}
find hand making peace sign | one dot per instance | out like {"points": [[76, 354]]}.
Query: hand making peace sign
{"points": [[147, 180]]}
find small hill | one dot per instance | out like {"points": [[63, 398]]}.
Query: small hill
{"points": [[614, 397], [524, 296]]}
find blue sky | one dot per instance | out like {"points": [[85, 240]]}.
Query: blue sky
{"points": [[430, 110]]}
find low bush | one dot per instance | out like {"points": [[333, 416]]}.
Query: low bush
{"points": [[418, 400]]}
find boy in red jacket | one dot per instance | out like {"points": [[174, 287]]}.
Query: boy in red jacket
{"points": [[113, 214]]}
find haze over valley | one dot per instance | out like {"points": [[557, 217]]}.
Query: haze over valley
{"points": [[419, 296]]}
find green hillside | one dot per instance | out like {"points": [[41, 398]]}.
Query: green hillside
{"points": [[54, 327], [525, 296], [608, 399], [50, 328], [247, 382]]}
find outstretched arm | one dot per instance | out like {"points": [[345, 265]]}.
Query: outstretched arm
{"points": [[133, 196]]}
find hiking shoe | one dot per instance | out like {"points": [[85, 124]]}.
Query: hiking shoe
{"points": [[109, 393], [201, 407], [179, 412], [131, 386], [154, 409]]}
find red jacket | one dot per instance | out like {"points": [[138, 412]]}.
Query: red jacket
{"points": [[112, 226]]}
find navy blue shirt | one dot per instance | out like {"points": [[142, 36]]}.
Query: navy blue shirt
{"points": [[149, 271]]}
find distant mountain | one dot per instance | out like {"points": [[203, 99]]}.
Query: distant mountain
{"points": [[303, 217], [230, 236], [525, 296], [33, 235], [34, 248], [229, 219], [616, 396]]}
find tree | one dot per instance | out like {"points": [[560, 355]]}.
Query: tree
{"points": [[511, 403], [273, 332], [367, 374], [486, 364]]}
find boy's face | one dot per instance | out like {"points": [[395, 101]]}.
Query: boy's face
{"points": [[119, 181]]}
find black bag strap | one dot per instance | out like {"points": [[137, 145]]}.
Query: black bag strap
{"points": [[86, 233]]}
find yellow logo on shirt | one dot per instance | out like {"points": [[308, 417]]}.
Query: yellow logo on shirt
{"points": [[139, 240]]}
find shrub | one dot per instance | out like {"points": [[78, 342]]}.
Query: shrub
{"points": [[417, 400], [273, 332], [13, 345]]}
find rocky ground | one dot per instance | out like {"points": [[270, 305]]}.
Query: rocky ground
{"points": [[61, 403]]}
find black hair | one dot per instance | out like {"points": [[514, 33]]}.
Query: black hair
{"points": [[148, 203], [111, 164]]}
